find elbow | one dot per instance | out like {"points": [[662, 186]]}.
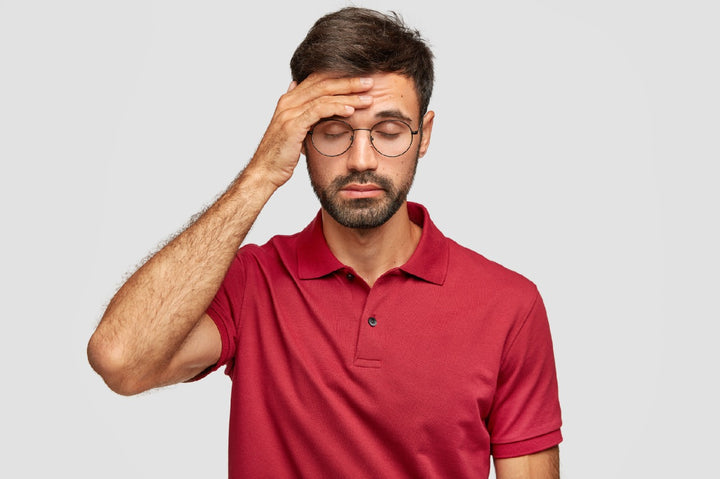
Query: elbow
{"points": [[109, 361]]}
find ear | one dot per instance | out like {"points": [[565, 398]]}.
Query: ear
{"points": [[427, 126]]}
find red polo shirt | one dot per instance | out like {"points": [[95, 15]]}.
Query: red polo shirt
{"points": [[442, 362]]}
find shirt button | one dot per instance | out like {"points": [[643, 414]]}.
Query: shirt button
{"points": [[372, 321], [350, 276]]}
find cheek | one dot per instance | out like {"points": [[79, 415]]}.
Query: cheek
{"points": [[319, 171], [406, 166]]}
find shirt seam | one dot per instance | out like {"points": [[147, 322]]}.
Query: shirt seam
{"points": [[522, 326]]}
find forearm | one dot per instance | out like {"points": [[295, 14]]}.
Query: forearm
{"points": [[152, 314], [541, 465]]}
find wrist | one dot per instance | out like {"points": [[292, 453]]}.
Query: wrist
{"points": [[250, 190]]}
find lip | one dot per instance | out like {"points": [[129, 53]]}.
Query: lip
{"points": [[365, 190]]}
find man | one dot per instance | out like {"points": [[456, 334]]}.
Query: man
{"points": [[367, 345]]}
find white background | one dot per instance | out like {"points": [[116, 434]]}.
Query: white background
{"points": [[575, 142]]}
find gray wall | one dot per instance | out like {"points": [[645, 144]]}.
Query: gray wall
{"points": [[575, 142]]}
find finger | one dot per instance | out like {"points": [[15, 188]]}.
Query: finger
{"points": [[296, 122], [323, 86], [327, 107], [328, 86], [324, 107]]}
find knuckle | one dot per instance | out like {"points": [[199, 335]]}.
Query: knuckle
{"points": [[315, 103], [307, 116], [326, 86], [282, 117], [313, 108], [320, 88], [282, 103]]}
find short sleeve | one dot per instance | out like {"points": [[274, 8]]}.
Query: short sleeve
{"points": [[525, 417], [225, 309]]}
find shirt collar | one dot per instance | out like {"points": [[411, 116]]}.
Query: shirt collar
{"points": [[429, 261], [315, 259], [431, 257]]}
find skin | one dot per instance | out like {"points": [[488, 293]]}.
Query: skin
{"points": [[155, 331], [372, 252], [542, 465]]}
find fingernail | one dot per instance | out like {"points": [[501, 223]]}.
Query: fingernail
{"points": [[366, 81], [365, 98]]}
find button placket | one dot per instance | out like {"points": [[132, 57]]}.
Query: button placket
{"points": [[372, 330]]}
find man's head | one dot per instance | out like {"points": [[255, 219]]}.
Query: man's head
{"points": [[357, 41], [364, 185]]}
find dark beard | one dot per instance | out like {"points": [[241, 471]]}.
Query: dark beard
{"points": [[362, 213]]}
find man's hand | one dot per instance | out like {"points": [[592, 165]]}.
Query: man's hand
{"points": [[319, 96]]}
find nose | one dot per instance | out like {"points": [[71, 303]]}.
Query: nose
{"points": [[361, 155]]}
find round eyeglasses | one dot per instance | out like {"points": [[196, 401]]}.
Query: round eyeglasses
{"points": [[389, 137]]}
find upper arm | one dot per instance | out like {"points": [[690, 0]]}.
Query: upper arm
{"points": [[200, 351], [541, 465], [525, 416]]}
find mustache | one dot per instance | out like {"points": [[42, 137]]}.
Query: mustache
{"points": [[362, 177]]}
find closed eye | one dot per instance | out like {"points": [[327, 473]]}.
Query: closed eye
{"points": [[336, 136]]}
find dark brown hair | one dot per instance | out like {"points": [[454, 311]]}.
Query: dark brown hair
{"points": [[359, 41]]}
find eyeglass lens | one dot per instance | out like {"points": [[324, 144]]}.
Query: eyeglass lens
{"points": [[388, 137]]}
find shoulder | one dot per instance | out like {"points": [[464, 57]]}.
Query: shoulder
{"points": [[472, 266], [467, 270], [280, 248], [505, 301]]}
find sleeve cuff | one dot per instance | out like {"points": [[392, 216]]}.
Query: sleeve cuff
{"points": [[529, 446], [224, 353]]}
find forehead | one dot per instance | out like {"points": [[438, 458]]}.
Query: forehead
{"points": [[391, 91]]}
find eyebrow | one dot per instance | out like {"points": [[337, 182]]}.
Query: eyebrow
{"points": [[383, 115], [393, 114]]}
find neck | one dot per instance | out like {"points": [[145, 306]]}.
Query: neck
{"points": [[372, 252]]}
